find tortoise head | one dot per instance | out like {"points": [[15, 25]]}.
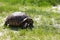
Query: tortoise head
{"points": [[28, 22]]}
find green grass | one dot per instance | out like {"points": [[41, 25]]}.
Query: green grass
{"points": [[32, 2], [45, 27]]}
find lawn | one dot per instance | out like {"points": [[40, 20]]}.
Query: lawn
{"points": [[46, 23]]}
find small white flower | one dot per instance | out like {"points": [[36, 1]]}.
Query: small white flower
{"points": [[1, 33]]}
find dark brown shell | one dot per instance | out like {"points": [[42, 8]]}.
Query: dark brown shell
{"points": [[18, 19]]}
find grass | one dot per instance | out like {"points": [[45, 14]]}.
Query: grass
{"points": [[46, 23], [32, 2]]}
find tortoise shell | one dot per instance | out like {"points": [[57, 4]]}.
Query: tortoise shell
{"points": [[19, 19]]}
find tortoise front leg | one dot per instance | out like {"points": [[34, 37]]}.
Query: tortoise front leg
{"points": [[25, 25]]}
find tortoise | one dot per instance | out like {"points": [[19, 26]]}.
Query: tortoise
{"points": [[19, 19]]}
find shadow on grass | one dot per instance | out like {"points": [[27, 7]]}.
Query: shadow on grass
{"points": [[16, 28]]}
